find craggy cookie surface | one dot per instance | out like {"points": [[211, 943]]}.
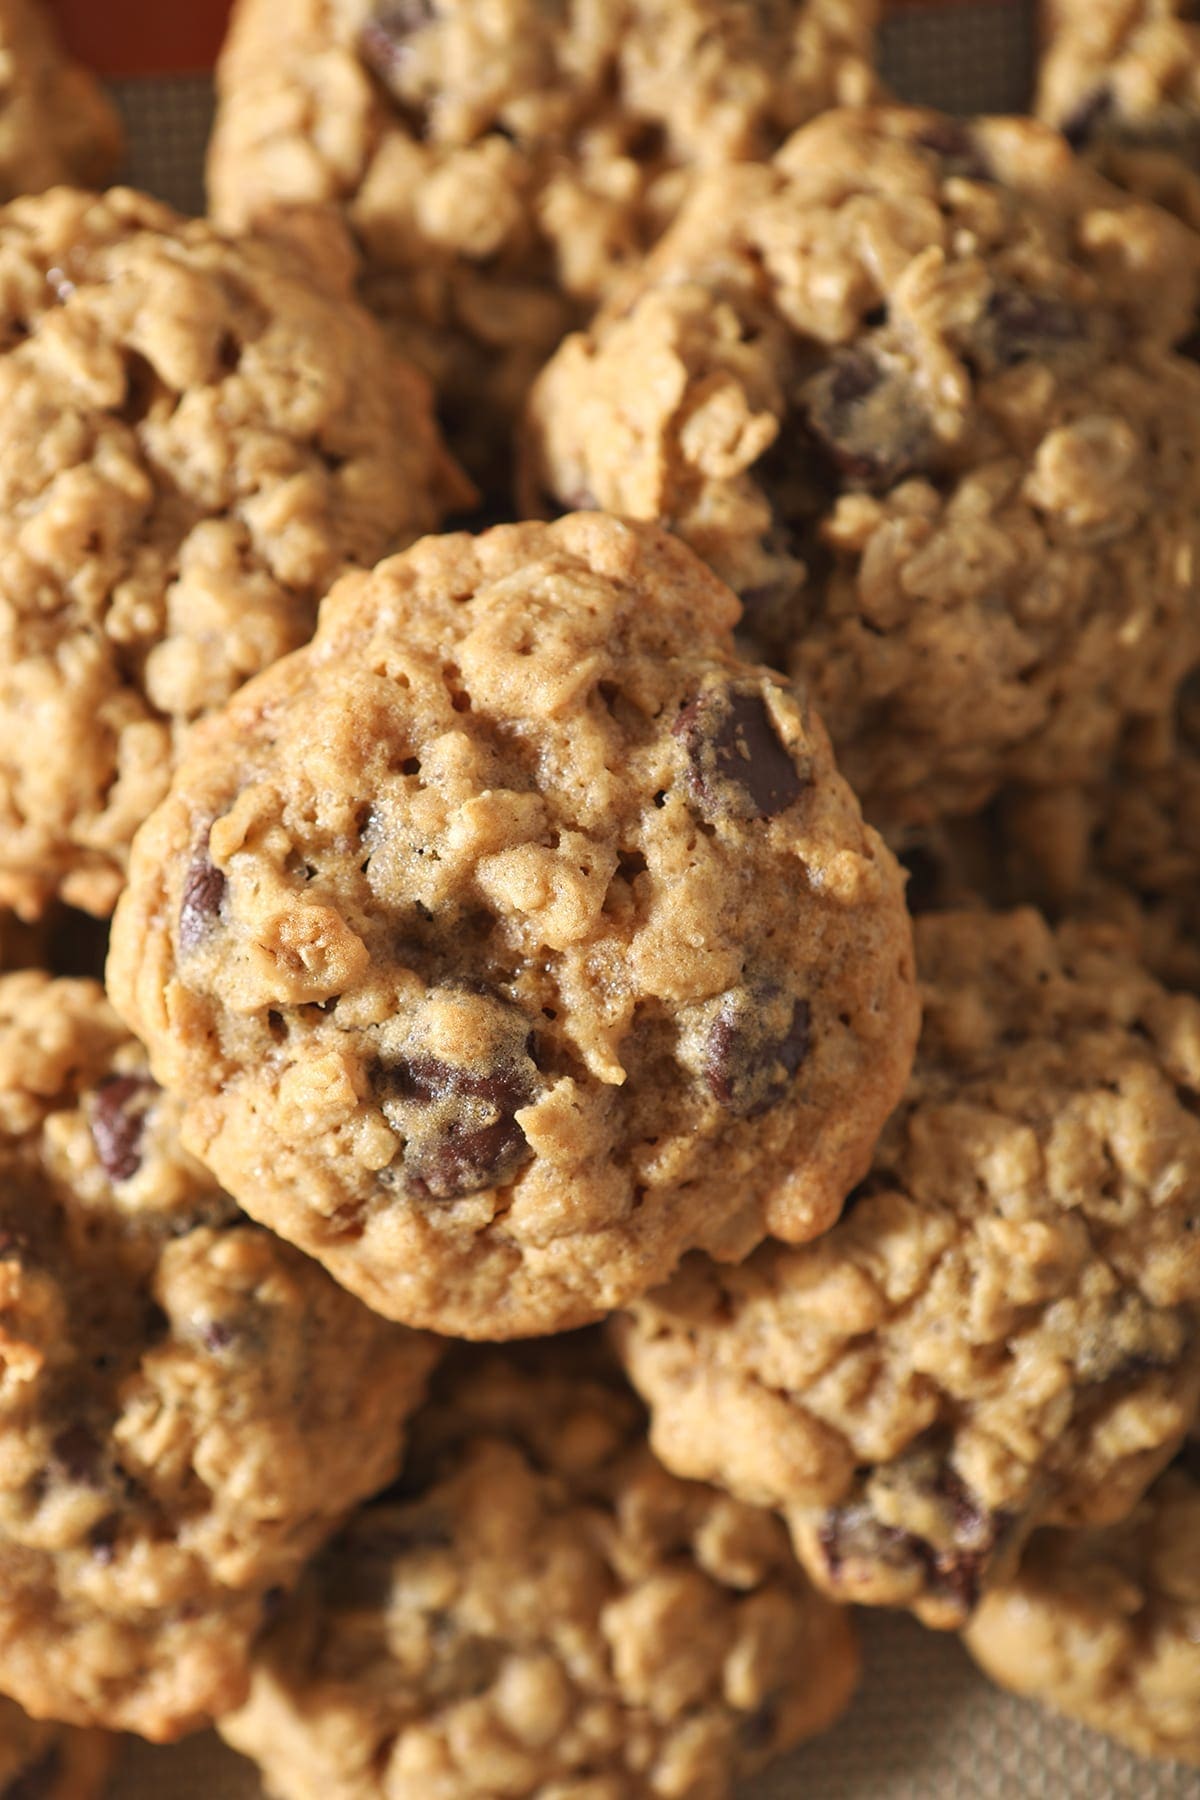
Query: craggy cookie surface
{"points": [[189, 1408], [1121, 80], [1002, 1329], [498, 164], [1105, 1625], [41, 1761], [539, 1609], [516, 936], [55, 122], [195, 439], [911, 389]]}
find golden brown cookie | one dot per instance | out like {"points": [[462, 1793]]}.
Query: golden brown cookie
{"points": [[912, 390], [195, 439], [539, 1609], [499, 164], [1104, 1625], [1002, 1330], [1121, 80], [517, 936], [56, 123], [189, 1407]]}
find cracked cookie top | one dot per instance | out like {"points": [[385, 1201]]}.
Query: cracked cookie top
{"points": [[195, 439], [499, 164], [56, 123], [1104, 1625], [539, 1609], [922, 393], [189, 1408], [1001, 1331], [516, 936]]}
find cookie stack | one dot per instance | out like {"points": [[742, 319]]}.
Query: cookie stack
{"points": [[647, 1080]]}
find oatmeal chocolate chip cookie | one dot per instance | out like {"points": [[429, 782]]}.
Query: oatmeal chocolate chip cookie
{"points": [[910, 389], [1002, 1331], [42, 1761], [56, 123], [1121, 81], [188, 1408], [1104, 1625], [539, 1609], [516, 936], [498, 164], [195, 439]]}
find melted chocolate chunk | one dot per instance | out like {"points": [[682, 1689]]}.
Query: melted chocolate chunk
{"points": [[118, 1121], [954, 143], [77, 1451], [459, 1121], [755, 1047], [739, 769], [1019, 325], [867, 420], [1089, 117], [203, 890], [386, 36], [39, 1780]]}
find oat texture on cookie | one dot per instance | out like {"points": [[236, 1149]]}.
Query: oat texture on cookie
{"points": [[498, 165], [1104, 1625], [189, 1409], [916, 389], [516, 936], [56, 123], [195, 439], [1002, 1329], [1121, 80], [539, 1609]]}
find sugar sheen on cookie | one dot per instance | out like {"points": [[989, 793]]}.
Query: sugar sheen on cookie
{"points": [[517, 936]]}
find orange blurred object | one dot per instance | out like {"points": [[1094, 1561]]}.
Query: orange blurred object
{"points": [[143, 37]]}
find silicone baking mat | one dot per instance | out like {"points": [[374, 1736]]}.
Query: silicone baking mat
{"points": [[925, 1726]]}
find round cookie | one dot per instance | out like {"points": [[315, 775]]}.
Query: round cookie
{"points": [[910, 389], [56, 122], [539, 1609], [515, 936], [498, 165], [1121, 80], [195, 439], [189, 1408], [42, 1761], [1105, 1625], [1002, 1329]]}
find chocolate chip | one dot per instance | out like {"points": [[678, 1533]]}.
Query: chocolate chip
{"points": [[1080, 126], [203, 890], [386, 36], [738, 767], [216, 1335], [77, 1451], [118, 1121], [867, 419], [466, 1153], [40, 1780], [952, 141], [755, 1045], [1019, 325], [102, 1539]]}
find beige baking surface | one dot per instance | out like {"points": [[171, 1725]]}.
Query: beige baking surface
{"points": [[926, 1726]]}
